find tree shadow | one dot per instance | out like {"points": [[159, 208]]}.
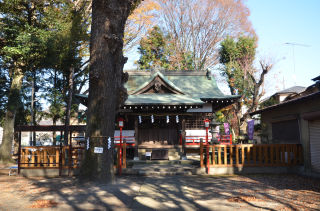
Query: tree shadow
{"points": [[256, 191], [73, 194]]}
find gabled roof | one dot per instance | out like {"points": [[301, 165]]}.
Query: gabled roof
{"points": [[294, 89], [165, 99], [316, 78], [197, 84], [188, 87], [287, 103], [164, 80]]}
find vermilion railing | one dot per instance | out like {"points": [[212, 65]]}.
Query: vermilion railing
{"points": [[195, 140], [130, 140]]}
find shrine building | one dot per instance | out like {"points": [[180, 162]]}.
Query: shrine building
{"points": [[165, 106]]}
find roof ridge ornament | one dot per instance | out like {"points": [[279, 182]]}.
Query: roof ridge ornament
{"points": [[157, 68]]}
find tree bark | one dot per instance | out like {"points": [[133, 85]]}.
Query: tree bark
{"points": [[6, 146], [68, 113], [106, 84]]}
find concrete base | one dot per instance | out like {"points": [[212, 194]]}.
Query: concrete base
{"points": [[174, 168], [136, 158], [47, 172], [256, 170], [184, 158]]}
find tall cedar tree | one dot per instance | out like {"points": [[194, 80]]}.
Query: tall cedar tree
{"points": [[106, 84], [242, 77], [159, 49], [153, 50], [25, 27]]}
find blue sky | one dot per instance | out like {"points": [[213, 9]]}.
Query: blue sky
{"points": [[285, 21], [282, 21]]}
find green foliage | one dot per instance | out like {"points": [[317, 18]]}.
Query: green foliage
{"points": [[269, 102], [153, 50], [237, 58], [157, 49]]}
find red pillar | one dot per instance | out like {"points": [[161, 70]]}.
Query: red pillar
{"points": [[120, 163], [207, 142]]}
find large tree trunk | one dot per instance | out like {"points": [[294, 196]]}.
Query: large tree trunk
{"points": [[6, 146], [106, 82]]}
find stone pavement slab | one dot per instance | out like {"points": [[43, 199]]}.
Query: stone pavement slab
{"points": [[164, 193], [144, 167]]}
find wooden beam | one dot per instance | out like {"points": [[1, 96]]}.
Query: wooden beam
{"points": [[183, 125], [136, 137]]}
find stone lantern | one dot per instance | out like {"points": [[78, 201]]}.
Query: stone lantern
{"points": [[214, 131]]}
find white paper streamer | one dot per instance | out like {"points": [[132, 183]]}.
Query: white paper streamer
{"points": [[88, 143], [167, 118], [152, 120], [109, 142], [140, 119], [177, 119]]}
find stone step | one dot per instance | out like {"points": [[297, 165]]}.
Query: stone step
{"points": [[169, 150], [174, 157], [159, 162], [174, 153], [149, 173]]}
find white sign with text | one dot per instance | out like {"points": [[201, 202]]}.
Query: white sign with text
{"points": [[98, 150]]}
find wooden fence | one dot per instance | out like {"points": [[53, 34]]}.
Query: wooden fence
{"points": [[51, 157], [195, 140], [237, 155]]}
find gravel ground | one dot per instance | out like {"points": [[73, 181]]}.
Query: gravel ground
{"points": [[245, 192], [255, 192]]}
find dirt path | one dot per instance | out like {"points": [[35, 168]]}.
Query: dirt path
{"points": [[246, 192]]}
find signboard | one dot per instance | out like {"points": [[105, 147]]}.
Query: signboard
{"points": [[98, 150], [148, 154], [250, 129]]}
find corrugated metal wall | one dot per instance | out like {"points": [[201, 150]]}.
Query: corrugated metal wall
{"points": [[314, 129]]}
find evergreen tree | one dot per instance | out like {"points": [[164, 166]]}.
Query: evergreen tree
{"points": [[157, 49], [25, 27], [153, 50]]}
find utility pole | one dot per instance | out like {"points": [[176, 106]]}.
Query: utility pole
{"points": [[294, 77]]}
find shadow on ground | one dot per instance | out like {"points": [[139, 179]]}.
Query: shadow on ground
{"points": [[255, 192]]}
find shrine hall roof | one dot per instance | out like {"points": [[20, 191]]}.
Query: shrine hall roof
{"points": [[196, 84], [194, 88], [165, 99]]}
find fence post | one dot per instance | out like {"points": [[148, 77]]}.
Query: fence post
{"points": [[19, 153], [201, 152], [124, 154]]}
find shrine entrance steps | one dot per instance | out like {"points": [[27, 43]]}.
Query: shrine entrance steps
{"points": [[163, 169], [173, 153]]}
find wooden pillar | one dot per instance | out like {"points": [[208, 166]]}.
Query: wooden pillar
{"points": [[70, 153], [19, 153], [201, 152], [136, 138], [124, 153], [184, 151], [60, 155]]}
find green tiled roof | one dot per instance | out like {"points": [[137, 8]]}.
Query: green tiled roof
{"points": [[195, 89], [166, 99], [165, 79], [196, 86]]}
